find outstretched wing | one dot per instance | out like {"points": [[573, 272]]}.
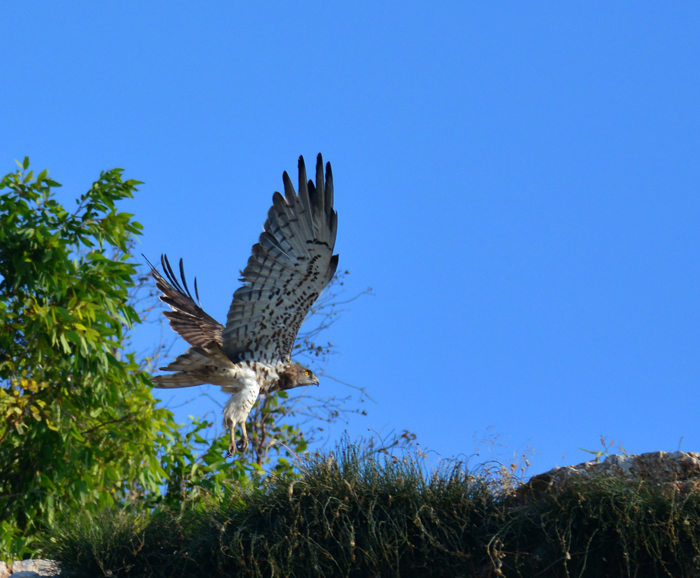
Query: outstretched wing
{"points": [[187, 316], [290, 265]]}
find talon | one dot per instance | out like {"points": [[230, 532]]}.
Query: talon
{"points": [[231, 451]]}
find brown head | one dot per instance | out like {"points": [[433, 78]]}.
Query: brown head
{"points": [[294, 376]]}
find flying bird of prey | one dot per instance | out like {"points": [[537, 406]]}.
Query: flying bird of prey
{"points": [[289, 267]]}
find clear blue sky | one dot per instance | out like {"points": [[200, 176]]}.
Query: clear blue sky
{"points": [[518, 182]]}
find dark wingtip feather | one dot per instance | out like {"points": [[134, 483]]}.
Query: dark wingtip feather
{"points": [[328, 193], [313, 196], [289, 191], [319, 172], [319, 197], [302, 174], [196, 292], [333, 265], [168, 270], [149, 263], [184, 280]]}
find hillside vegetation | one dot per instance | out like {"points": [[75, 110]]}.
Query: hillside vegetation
{"points": [[361, 514]]}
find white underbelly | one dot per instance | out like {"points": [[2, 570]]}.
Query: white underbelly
{"points": [[244, 389], [239, 405]]}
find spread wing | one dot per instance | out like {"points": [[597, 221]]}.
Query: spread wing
{"points": [[187, 316], [291, 264]]}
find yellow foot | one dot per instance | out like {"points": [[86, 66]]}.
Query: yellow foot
{"points": [[240, 446]]}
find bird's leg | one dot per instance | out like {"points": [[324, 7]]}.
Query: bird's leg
{"points": [[232, 443], [242, 445]]}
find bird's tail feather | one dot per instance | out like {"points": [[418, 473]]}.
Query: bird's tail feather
{"points": [[189, 367], [176, 380], [191, 360]]}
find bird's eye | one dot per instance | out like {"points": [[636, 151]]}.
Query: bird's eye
{"points": [[307, 373]]}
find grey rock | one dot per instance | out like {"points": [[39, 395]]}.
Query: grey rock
{"points": [[29, 569], [677, 472]]}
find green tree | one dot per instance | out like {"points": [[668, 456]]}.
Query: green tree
{"points": [[74, 407]]}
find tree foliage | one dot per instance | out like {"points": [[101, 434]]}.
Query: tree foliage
{"points": [[74, 408]]}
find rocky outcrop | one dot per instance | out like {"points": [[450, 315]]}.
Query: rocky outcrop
{"points": [[29, 569], [678, 472]]}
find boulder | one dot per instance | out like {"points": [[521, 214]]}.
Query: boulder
{"points": [[678, 472], [29, 569]]}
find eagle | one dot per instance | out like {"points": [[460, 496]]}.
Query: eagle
{"points": [[289, 267]]}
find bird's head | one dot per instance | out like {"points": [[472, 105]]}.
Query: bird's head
{"points": [[295, 376]]}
